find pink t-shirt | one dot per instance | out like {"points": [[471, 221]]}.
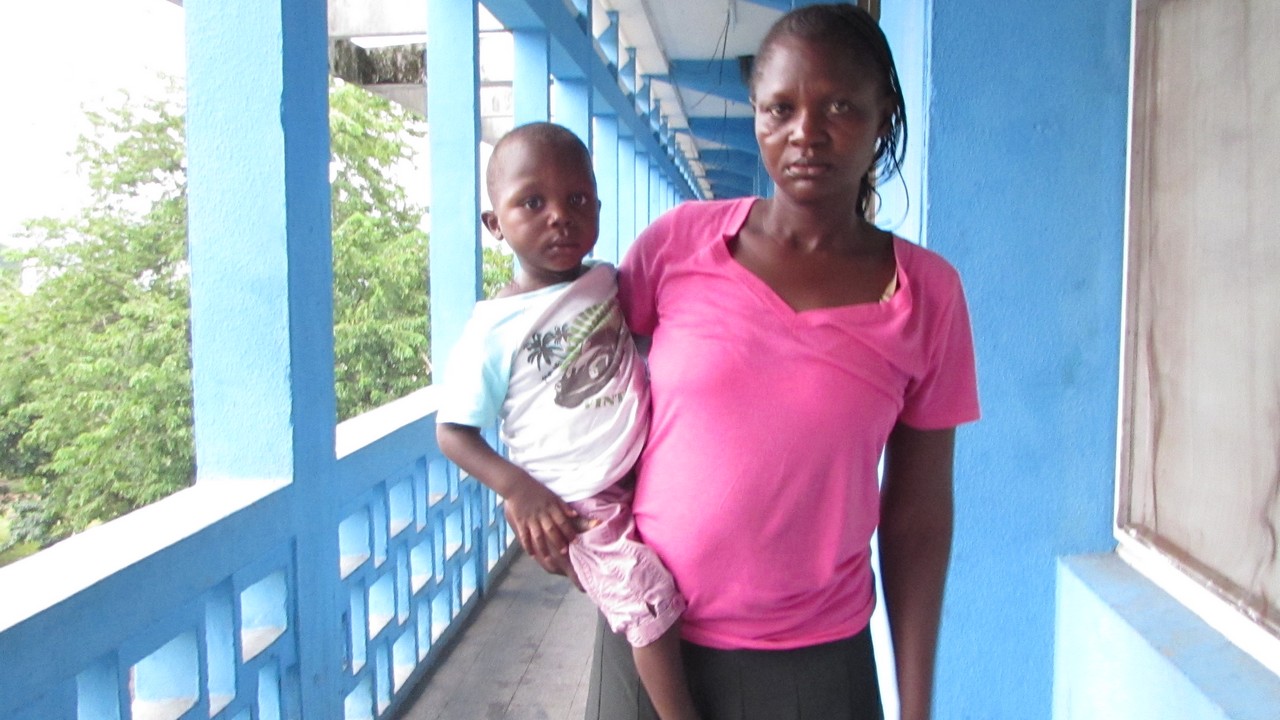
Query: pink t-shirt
{"points": [[758, 485]]}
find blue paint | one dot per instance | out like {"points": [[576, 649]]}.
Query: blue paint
{"points": [[903, 197], [609, 38], [1128, 650], [248, 150], [726, 177], [605, 156], [453, 73], [262, 294], [571, 106], [721, 78], [319, 533], [1025, 195], [627, 229], [627, 70], [735, 133], [1023, 192], [644, 95], [729, 160], [642, 208], [532, 53], [574, 57]]}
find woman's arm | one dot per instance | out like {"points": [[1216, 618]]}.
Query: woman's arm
{"points": [[916, 515]]}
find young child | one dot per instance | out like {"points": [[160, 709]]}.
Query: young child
{"points": [[552, 358]]}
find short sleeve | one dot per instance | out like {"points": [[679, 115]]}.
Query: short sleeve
{"points": [[640, 275], [475, 379], [946, 393]]}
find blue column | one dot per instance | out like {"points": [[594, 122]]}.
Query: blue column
{"points": [[902, 198], [454, 116], [609, 38], [571, 106], [627, 229], [258, 223], [655, 192], [1039, 244], [532, 76], [627, 69], [605, 152], [261, 288], [642, 190]]}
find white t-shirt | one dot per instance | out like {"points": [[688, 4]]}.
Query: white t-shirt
{"points": [[559, 368]]}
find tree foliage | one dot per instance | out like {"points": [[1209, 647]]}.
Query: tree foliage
{"points": [[380, 305], [95, 409], [95, 372]]}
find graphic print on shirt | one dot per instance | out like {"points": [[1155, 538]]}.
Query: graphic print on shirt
{"points": [[587, 349]]}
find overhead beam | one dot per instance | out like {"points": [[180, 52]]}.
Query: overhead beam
{"points": [[787, 5], [727, 159], [729, 190], [734, 133], [576, 54], [727, 177], [719, 78], [356, 18]]}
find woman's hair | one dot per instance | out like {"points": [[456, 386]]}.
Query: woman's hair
{"points": [[851, 29]]}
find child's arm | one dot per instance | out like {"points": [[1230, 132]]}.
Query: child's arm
{"points": [[543, 522]]}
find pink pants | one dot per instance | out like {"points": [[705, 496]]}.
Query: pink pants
{"points": [[623, 576]]}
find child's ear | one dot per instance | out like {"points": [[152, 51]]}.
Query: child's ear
{"points": [[490, 220]]}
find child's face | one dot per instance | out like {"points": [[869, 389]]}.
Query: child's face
{"points": [[545, 207]]}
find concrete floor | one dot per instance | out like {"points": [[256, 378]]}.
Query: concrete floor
{"points": [[527, 655]]}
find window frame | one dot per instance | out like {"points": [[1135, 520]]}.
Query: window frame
{"points": [[1194, 589]]}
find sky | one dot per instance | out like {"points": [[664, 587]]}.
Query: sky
{"points": [[60, 55]]}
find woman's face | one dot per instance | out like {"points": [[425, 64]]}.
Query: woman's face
{"points": [[818, 115]]}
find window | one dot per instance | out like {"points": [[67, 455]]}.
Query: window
{"points": [[1200, 438]]}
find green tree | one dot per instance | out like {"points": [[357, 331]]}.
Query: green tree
{"points": [[499, 268], [95, 397], [94, 369], [380, 306]]}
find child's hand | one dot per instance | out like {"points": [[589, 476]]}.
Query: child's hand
{"points": [[544, 523]]}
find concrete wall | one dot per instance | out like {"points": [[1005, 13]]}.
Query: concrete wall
{"points": [[1128, 651], [1025, 195]]}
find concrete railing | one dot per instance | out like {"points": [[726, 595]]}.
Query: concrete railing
{"points": [[189, 607]]}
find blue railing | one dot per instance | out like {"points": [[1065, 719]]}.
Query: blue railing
{"points": [[189, 607], [310, 571]]}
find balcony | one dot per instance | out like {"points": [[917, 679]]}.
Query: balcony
{"points": [[214, 602], [526, 655], [326, 571]]}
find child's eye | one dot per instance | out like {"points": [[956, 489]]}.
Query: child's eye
{"points": [[533, 203], [840, 107], [578, 200]]}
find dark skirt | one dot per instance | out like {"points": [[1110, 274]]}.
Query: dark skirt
{"points": [[833, 681]]}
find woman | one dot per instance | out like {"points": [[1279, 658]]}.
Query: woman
{"points": [[792, 343]]}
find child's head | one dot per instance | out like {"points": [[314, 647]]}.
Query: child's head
{"points": [[849, 34], [543, 192]]}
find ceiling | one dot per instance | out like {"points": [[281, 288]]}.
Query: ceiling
{"points": [[692, 50], [688, 51]]}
